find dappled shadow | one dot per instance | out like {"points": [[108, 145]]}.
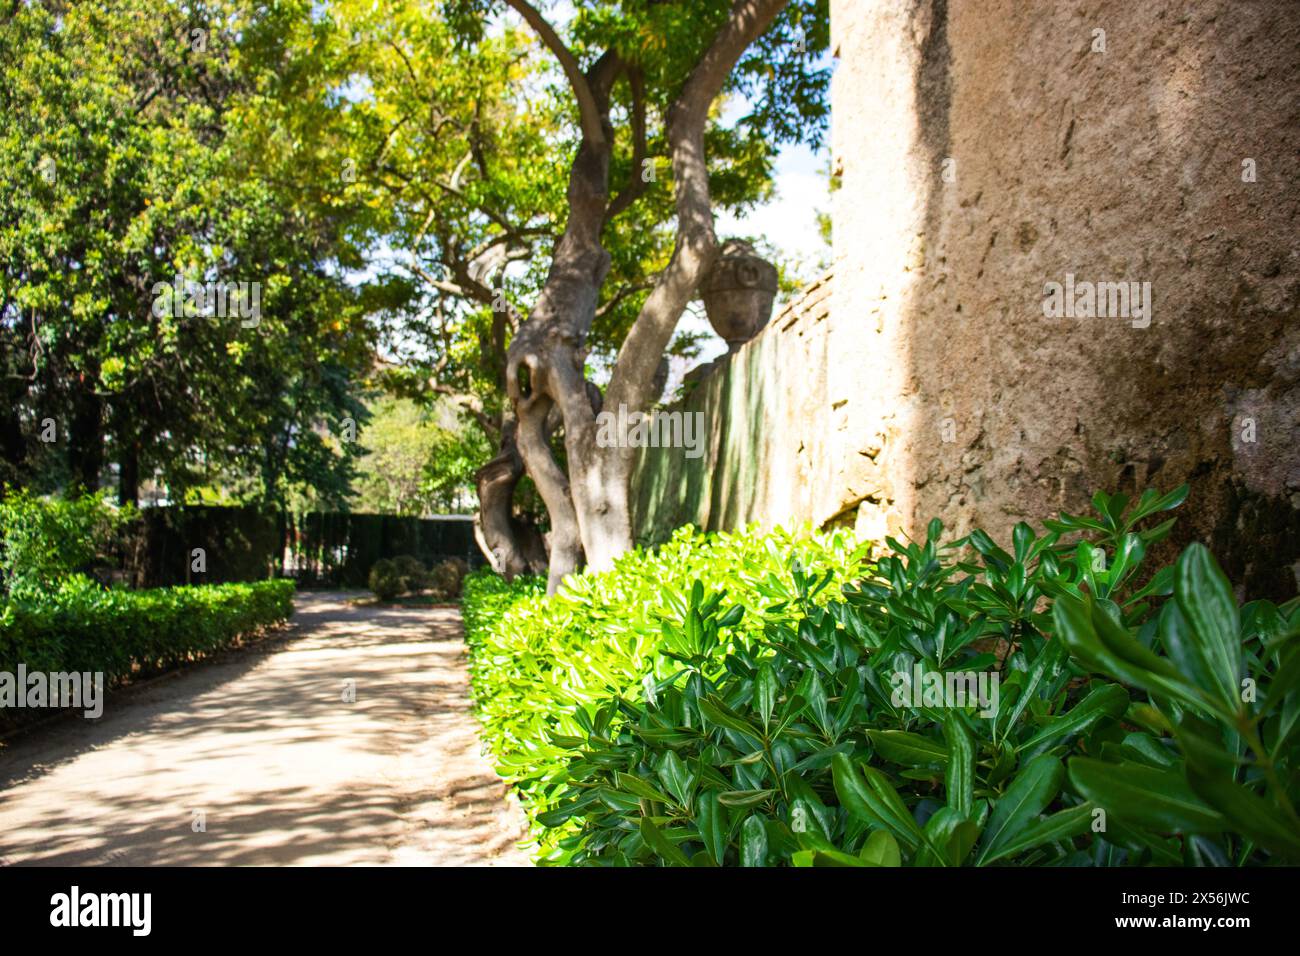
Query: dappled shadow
{"points": [[347, 741]]}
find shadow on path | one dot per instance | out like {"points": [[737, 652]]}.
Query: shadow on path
{"points": [[256, 758]]}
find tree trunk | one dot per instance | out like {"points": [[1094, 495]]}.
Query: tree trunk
{"points": [[511, 546], [86, 440], [590, 507], [545, 360]]}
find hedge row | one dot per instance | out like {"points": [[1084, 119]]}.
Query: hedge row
{"points": [[1055, 702], [82, 626], [539, 667]]}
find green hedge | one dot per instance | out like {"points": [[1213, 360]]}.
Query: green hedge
{"points": [[540, 667], [82, 626], [1142, 716]]}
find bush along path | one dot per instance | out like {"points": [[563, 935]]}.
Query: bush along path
{"points": [[347, 740], [1059, 701]]}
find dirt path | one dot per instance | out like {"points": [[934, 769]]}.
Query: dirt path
{"points": [[281, 769]]}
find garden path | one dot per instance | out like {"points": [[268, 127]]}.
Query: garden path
{"points": [[257, 758]]}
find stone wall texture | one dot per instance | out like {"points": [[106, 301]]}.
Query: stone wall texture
{"points": [[986, 148]]}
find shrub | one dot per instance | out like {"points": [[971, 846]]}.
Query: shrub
{"points": [[44, 540], [446, 577], [404, 574], [412, 574], [81, 626], [542, 668], [385, 580], [1139, 717], [1122, 732]]}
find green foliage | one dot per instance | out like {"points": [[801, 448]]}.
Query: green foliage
{"points": [[404, 574], [81, 626], [405, 445], [112, 183], [44, 540], [389, 580], [446, 578], [543, 669], [1222, 688], [1139, 717]]}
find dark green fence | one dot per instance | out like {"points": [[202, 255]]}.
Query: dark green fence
{"points": [[329, 549]]}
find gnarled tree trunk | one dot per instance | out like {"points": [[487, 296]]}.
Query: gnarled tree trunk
{"points": [[590, 506], [512, 546]]}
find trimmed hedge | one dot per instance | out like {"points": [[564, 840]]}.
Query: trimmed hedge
{"points": [[82, 626], [1133, 715], [540, 667]]}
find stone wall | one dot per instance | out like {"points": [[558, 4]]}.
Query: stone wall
{"points": [[987, 148], [762, 413]]}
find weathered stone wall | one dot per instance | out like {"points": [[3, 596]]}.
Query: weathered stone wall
{"points": [[762, 414], [986, 148]]}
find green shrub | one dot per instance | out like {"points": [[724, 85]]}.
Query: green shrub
{"points": [[385, 581], [1139, 717], [542, 668], [446, 578], [1121, 733], [411, 572], [44, 540], [393, 577], [82, 626]]}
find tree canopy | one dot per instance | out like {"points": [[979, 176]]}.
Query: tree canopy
{"points": [[397, 182]]}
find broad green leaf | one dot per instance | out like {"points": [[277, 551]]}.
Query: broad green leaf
{"points": [[1030, 792], [676, 777], [1059, 826], [1143, 796], [711, 820], [753, 841], [1205, 599], [908, 749], [660, 844], [1249, 814], [744, 798], [631, 783], [959, 779], [1108, 700], [873, 799], [718, 713], [881, 849], [1098, 642]]}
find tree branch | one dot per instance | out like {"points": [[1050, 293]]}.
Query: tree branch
{"points": [[696, 248], [636, 184], [587, 109]]}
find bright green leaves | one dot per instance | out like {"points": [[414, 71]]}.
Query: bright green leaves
{"points": [[1113, 740]]}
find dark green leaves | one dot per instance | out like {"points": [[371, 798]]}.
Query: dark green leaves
{"points": [[874, 800], [1030, 792], [1144, 796]]}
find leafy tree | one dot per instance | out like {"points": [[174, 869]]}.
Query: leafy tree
{"points": [[139, 142], [456, 122]]}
